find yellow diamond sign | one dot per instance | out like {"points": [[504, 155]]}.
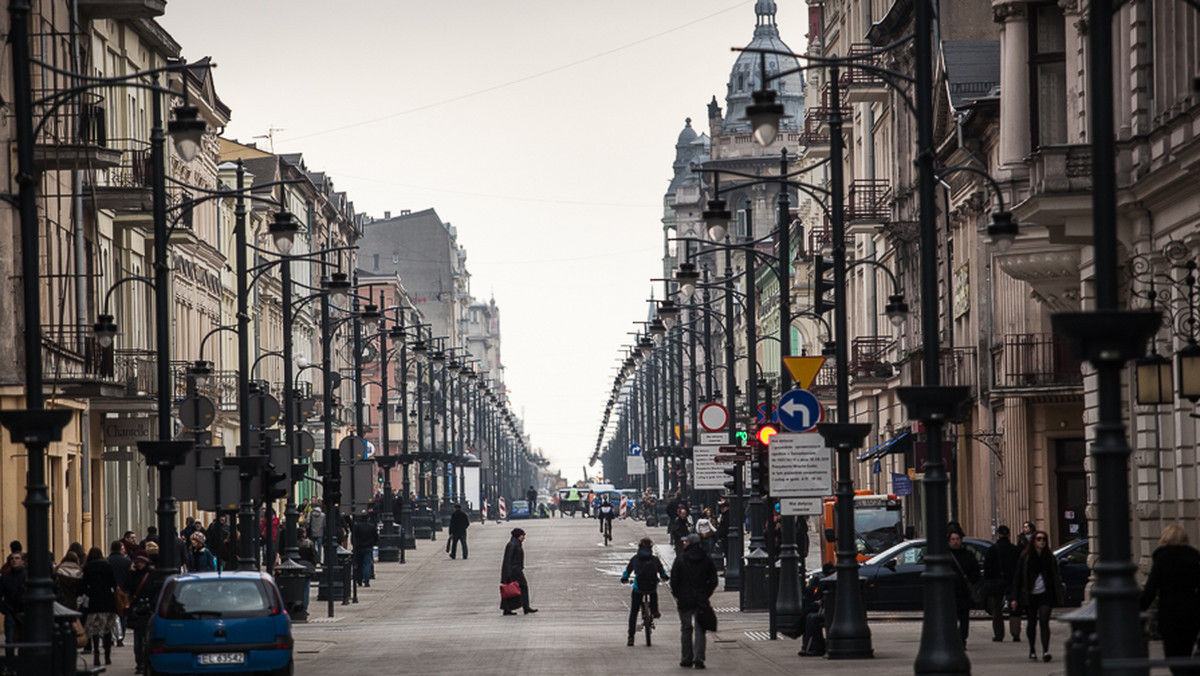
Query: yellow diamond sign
{"points": [[804, 369]]}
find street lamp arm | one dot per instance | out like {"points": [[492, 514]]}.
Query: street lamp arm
{"points": [[135, 278], [57, 99], [231, 329], [272, 353], [942, 173], [310, 257], [879, 266]]}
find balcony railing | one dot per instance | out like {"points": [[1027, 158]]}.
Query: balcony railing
{"points": [[869, 357], [1060, 170], [825, 384], [1026, 360], [957, 366], [868, 200]]}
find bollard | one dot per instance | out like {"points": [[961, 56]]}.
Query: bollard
{"points": [[422, 525], [389, 543], [292, 578], [755, 592], [64, 648], [346, 561]]}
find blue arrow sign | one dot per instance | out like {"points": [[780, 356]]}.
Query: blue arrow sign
{"points": [[635, 449], [799, 410]]}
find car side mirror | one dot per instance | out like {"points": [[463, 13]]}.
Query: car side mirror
{"points": [[830, 536], [891, 564]]}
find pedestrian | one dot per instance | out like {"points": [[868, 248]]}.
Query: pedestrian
{"points": [[513, 568], [129, 542], [316, 530], [693, 580], [100, 585], [122, 565], [12, 592], [723, 527], [200, 558], [707, 531], [1174, 579], [681, 527], [1038, 588], [1027, 530], [459, 521], [967, 568], [647, 570], [68, 578], [999, 568], [364, 535], [192, 525], [531, 496], [151, 536], [137, 585]]}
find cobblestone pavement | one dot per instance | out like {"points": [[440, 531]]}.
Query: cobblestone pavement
{"points": [[434, 615]]}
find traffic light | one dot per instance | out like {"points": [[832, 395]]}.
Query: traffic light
{"points": [[765, 432], [733, 486], [758, 473], [822, 283], [275, 482]]}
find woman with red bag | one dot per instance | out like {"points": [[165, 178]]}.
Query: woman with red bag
{"points": [[513, 570]]}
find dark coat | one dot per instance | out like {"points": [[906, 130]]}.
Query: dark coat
{"points": [[1174, 579], [1000, 566], [1029, 566], [693, 578], [459, 521], [12, 590], [121, 565], [364, 534], [100, 584], [966, 572], [513, 568], [141, 595], [646, 568]]}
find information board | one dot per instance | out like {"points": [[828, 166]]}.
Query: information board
{"points": [[707, 473], [800, 466]]}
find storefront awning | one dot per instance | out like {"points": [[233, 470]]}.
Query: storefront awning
{"points": [[897, 444]]}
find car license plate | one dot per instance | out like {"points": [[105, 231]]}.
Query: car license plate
{"points": [[222, 658]]}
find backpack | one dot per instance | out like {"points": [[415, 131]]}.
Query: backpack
{"points": [[646, 572]]}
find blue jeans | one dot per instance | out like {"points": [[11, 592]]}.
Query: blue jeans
{"points": [[10, 636], [363, 561]]}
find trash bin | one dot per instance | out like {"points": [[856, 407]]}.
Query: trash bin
{"points": [[293, 579], [323, 579], [756, 581]]}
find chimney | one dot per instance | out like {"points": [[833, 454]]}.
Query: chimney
{"points": [[387, 215]]}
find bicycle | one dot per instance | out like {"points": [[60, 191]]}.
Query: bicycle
{"points": [[606, 528], [646, 622]]}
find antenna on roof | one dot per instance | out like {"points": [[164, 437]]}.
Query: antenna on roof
{"points": [[270, 136]]}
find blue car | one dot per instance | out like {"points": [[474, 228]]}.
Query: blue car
{"points": [[220, 623], [519, 510]]}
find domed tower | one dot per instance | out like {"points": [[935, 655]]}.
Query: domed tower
{"points": [[682, 203], [746, 77]]}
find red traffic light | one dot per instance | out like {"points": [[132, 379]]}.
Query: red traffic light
{"points": [[765, 432]]}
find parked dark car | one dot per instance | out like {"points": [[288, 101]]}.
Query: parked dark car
{"points": [[1073, 567], [891, 580]]}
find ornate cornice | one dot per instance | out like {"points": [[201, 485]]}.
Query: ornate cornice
{"points": [[1014, 11]]}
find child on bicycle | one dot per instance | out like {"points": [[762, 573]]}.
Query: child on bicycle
{"points": [[648, 570]]}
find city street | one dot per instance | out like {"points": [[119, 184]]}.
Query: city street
{"points": [[433, 615]]}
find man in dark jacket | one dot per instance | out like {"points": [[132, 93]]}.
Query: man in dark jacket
{"points": [[12, 589], [966, 569], [693, 580], [459, 521], [364, 537], [999, 567], [680, 528]]}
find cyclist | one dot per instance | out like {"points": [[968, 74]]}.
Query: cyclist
{"points": [[648, 570], [605, 512]]}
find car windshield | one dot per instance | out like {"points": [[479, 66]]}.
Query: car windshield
{"points": [[216, 598], [876, 528]]}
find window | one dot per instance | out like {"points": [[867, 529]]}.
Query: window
{"points": [[375, 261], [1048, 75]]}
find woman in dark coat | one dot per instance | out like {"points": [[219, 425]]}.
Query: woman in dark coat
{"points": [[1039, 588], [141, 598], [513, 568], [1174, 578], [100, 584]]}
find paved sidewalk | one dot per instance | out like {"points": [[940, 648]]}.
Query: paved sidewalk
{"points": [[434, 615]]}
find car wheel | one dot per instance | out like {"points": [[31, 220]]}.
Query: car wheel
{"points": [[285, 671]]}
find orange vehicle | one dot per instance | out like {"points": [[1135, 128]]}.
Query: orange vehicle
{"points": [[878, 524]]}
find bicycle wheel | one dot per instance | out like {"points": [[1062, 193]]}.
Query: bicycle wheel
{"points": [[647, 618]]}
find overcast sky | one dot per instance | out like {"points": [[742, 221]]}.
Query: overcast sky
{"points": [[543, 130]]}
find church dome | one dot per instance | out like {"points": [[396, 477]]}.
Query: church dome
{"points": [[746, 75]]}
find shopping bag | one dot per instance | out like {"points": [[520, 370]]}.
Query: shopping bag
{"points": [[510, 590]]}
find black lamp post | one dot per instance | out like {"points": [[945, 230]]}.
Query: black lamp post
{"points": [[337, 285], [390, 545]]}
